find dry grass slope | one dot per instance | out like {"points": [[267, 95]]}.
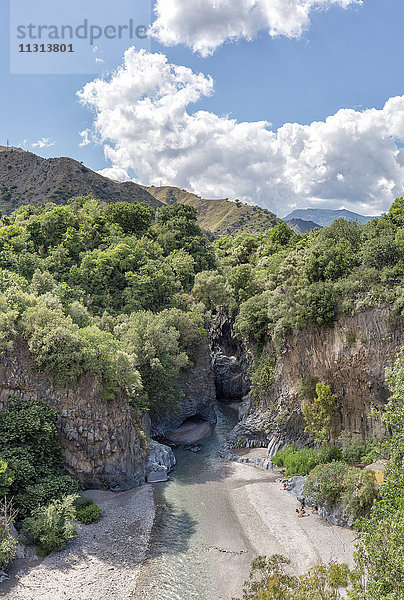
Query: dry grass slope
{"points": [[26, 178], [220, 217]]}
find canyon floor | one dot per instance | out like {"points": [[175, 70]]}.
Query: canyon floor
{"points": [[104, 561]]}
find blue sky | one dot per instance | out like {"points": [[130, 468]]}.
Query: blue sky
{"points": [[347, 59]]}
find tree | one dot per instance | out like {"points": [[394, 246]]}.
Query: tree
{"points": [[379, 554], [132, 218], [319, 412], [211, 288]]}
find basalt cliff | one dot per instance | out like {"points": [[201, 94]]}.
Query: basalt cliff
{"points": [[104, 443], [350, 357]]}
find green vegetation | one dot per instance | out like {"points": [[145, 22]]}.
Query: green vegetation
{"points": [[105, 289], [269, 581], [33, 475], [52, 526], [379, 554], [220, 217], [330, 483], [87, 511], [380, 550], [319, 412], [8, 543], [301, 462]]}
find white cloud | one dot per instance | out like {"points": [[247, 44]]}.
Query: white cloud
{"points": [[116, 173], [142, 115], [204, 25], [85, 137], [43, 143]]}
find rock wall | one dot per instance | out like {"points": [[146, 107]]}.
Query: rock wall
{"points": [[197, 385], [350, 357], [101, 443], [230, 360]]}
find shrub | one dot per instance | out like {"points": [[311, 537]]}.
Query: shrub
{"points": [[52, 526], [8, 543], [83, 502], [353, 450], [325, 484], [29, 447], [8, 546], [360, 491], [263, 376], [89, 514], [269, 581], [301, 462], [318, 413]]}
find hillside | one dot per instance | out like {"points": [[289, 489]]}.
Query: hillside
{"points": [[302, 226], [221, 217], [325, 217], [26, 178]]}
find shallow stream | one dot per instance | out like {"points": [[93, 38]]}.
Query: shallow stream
{"points": [[196, 538]]}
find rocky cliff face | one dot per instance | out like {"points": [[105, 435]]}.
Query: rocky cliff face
{"points": [[230, 360], [101, 444], [197, 385], [350, 357]]}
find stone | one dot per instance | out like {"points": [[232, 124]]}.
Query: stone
{"points": [[160, 462], [157, 476]]}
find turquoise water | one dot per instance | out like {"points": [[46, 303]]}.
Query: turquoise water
{"points": [[196, 532]]}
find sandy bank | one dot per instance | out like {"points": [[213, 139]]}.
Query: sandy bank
{"points": [[267, 515], [103, 562]]}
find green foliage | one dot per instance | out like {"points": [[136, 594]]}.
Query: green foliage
{"points": [[357, 450], [379, 553], [8, 546], [211, 289], [132, 218], [269, 581], [325, 484], [360, 491], [6, 478], [263, 376], [301, 462], [52, 526], [319, 413], [307, 387], [88, 514], [252, 323], [29, 447], [163, 344], [8, 543]]}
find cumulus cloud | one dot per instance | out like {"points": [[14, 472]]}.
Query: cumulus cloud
{"points": [[203, 25], [143, 116], [116, 173], [43, 143], [85, 137]]}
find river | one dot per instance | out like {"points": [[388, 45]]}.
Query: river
{"points": [[196, 538]]}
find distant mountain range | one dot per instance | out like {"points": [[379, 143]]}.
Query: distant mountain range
{"points": [[26, 178], [324, 216], [302, 226]]}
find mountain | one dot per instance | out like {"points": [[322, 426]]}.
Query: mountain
{"points": [[220, 217], [301, 226], [324, 216], [26, 178]]}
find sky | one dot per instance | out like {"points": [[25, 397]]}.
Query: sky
{"points": [[291, 103]]}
